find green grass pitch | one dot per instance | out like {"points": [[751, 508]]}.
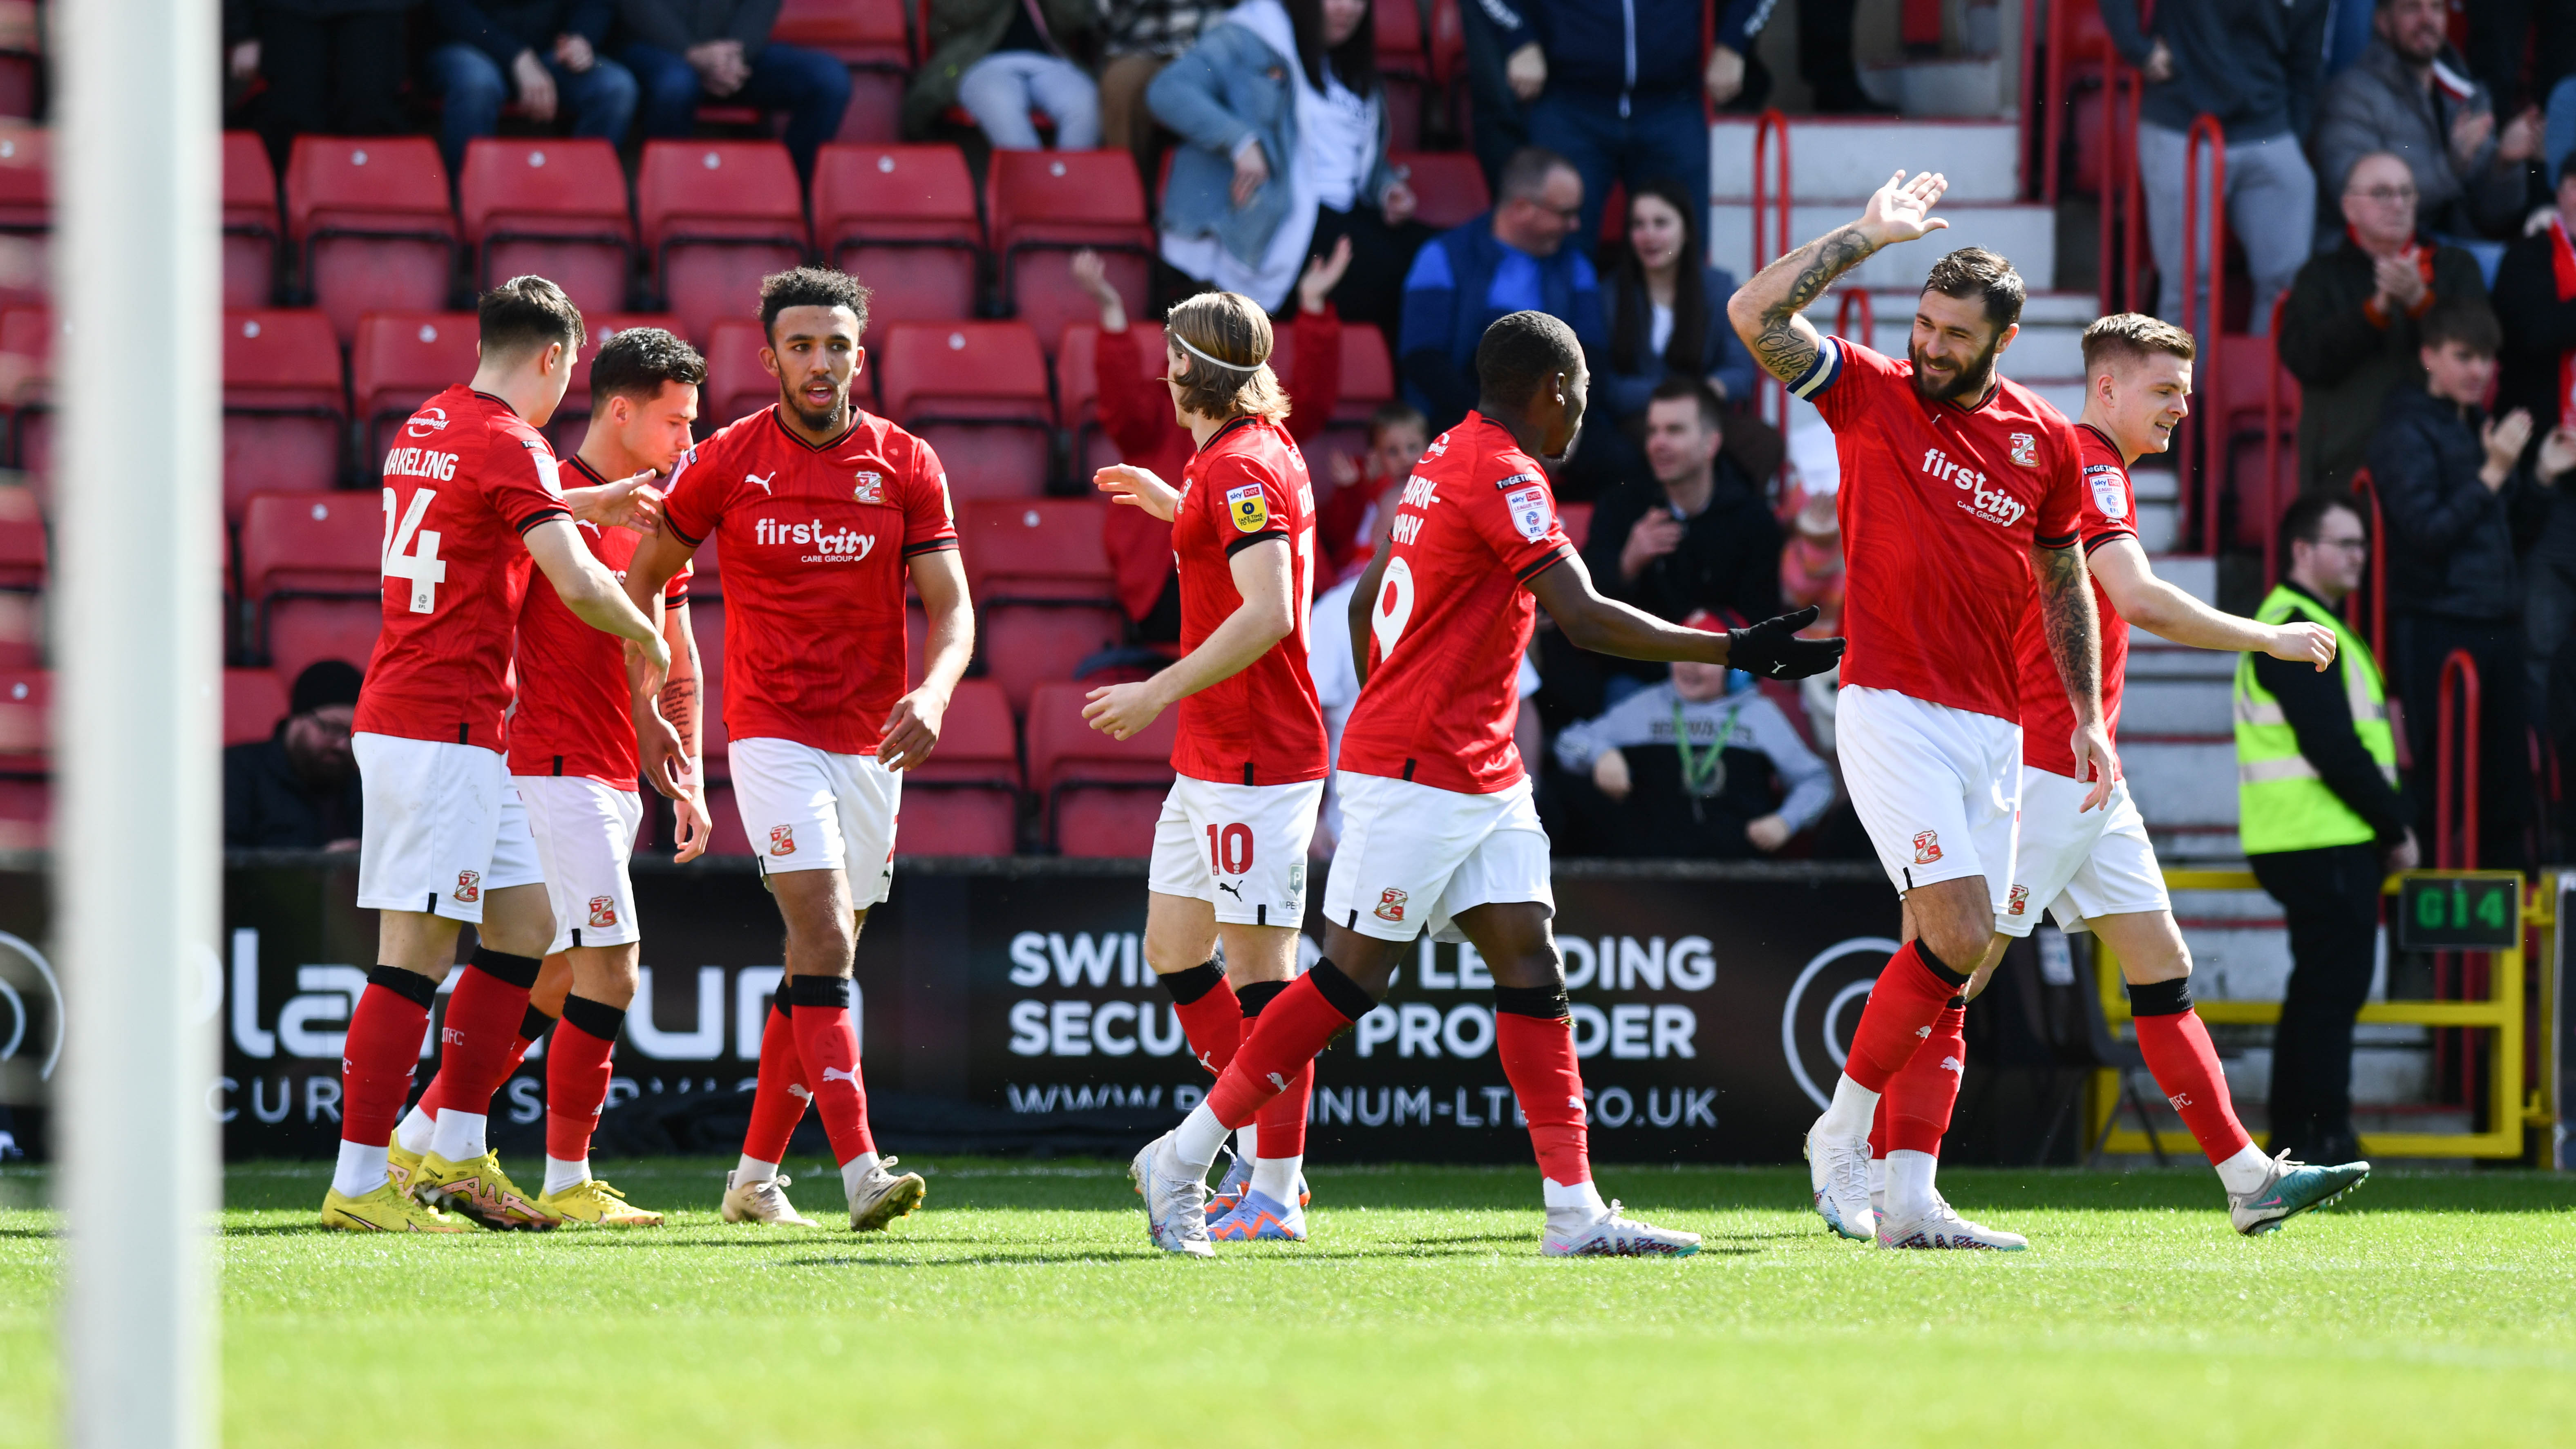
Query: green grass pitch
{"points": [[1023, 1306]]}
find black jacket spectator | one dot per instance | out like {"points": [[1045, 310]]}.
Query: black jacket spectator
{"points": [[2451, 541], [676, 25], [2539, 327], [298, 789], [503, 28], [2349, 356], [1727, 562]]}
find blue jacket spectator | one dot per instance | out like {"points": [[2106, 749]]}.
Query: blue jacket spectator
{"points": [[542, 53], [682, 50], [1511, 259], [1668, 315]]}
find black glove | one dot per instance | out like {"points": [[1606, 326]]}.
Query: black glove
{"points": [[1773, 650]]}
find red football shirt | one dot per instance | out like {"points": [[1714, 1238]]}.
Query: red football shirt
{"points": [[574, 716], [814, 542], [1452, 619], [1939, 507], [1262, 726], [2110, 510], [465, 478]]}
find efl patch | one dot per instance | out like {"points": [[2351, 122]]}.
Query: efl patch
{"points": [[1927, 847], [2025, 450], [1390, 905], [2110, 490], [1249, 510], [603, 911], [870, 488], [1530, 511], [2017, 900], [782, 840], [469, 886]]}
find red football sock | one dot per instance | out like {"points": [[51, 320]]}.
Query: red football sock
{"points": [[483, 1016], [1211, 1014], [828, 1041], [383, 1047], [1922, 1094], [532, 1024], [2185, 1064], [1295, 1026], [577, 1075], [1538, 1059], [1282, 1119], [1878, 1128], [1912, 990], [778, 1103]]}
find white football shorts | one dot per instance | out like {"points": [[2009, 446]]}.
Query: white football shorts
{"points": [[585, 835], [1412, 857], [810, 809], [1241, 848], [1938, 789], [442, 827], [2078, 863]]}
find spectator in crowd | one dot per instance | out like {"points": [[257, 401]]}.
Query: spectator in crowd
{"points": [[1286, 128], [1002, 59], [684, 50], [298, 789], [333, 67], [1511, 259], [1346, 524], [1138, 414], [2349, 333], [1138, 38], [1687, 767], [2457, 497], [2321, 820], [544, 53], [2254, 67], [2521, 49], [1811, 572], [2535, 299], [1667, 307], [1497, 124], [1697, 538], [2558, 130], [2410, 94]]}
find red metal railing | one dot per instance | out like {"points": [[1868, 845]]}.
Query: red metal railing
{"points": [[2370, 616], [2271, 506], [1855, 299], [1771, 139], [2210, 434], [2456, 848]]}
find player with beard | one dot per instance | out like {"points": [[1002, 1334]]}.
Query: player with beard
{"points": [[822, 514], [1439, 828], [2096, 870], [1958, 485]]}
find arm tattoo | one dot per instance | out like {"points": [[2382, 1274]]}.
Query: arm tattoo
{"points": [[2074, 631], [1786, 349], [680, 707]]}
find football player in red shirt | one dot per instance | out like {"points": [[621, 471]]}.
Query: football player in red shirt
{"points": [[1230, 849], [1440, 831], [822, 513], [2096, 870], [1957, 485], [472, 494]]}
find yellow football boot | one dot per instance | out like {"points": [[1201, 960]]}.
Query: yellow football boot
{"points": [[399, 1164], [386, 1210], [478, 1189], [595, 1202]]}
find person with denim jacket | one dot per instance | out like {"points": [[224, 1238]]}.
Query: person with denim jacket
{"points": [[1285, 134]]}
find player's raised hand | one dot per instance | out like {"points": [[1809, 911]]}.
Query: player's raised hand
{"points": [[1121, 710], [634, 503], [1901, 211], [1773, 650], [2303, 644], [693, 827], [2094, 761], [1139, 488], [912, 729]]}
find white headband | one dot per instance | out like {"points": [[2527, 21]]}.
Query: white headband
{"points": [[1185, 346]]}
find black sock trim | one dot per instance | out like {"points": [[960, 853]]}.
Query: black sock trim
{"points": [[1924, 954], [535, 1024], [1547, 1003], [595, 1017], [518, 971], [1258, 995], [827, 992], [1188, 986], [1339, 991], [411, 986], [2161, 998]]}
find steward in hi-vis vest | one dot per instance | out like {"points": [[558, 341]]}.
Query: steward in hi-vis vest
{"points": [[2283, 801]]}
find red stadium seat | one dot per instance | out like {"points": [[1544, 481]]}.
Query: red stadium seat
{"points": [[22, 57], [1368, 382], [1404, 69], [1044, 594], [716, 217], [369, 220], [706, 572], [26, 725], [1100, 796], [965, 800], [26, 215], [706, 621], [251, 228], [1077, 389], [916, 643], [401, 360], [255, 700], [1448, 186], [873, 39], [283, 415], [26, 387], [26, 811], [737, 385], [311, 567], [22, 541], [977, 392], [572, 415], [555, 208], [902, 220], [727, 838], [1042, 205]]}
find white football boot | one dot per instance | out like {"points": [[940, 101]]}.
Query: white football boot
{"points": [[1175, 1200], [1617, 1236], [1838, 1177], [1940, 1227], [762, 1200], [882, 1196]]}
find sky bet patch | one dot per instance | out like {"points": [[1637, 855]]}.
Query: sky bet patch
{"points": [[1251, 512]]}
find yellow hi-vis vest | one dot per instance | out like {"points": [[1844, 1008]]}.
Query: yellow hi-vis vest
{"points": [[2280, 802]]}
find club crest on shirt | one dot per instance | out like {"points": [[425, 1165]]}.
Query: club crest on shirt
{"points": [[469, 886], [1530, 513], [868, 488], [1927, 847], [2025, 450], [2017, 900], [2108, 496], [782, 840], [603, 911], [1390, 905], [1249, 510]]}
